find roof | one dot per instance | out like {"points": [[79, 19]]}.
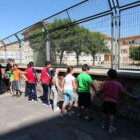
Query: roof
{"points": [[130, 37], [32, 28]]}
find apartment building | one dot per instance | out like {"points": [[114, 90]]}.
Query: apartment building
{"points": [[125, 44]]}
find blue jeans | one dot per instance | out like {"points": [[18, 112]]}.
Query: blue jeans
{"points": [[32, 86], [46, 93], [68, 93]]}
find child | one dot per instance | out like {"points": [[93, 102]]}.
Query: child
{"points": [[16, 82], [11, 76], [6, 78], [55, 87], [45, 80], [32, 82], [111, 89], [68, 84], [84, 82]]}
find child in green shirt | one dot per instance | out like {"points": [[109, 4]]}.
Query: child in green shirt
{"points": [[84, 82], [11, 76]]}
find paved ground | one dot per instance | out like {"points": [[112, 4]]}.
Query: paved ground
{"points": [[20, 120]]}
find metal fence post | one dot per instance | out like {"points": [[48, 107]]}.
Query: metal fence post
{"points": [[47, 42], [20, 54], [116, 46], [119, 43], [5, 52], [112, 39]]}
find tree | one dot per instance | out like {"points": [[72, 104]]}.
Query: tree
{"points": [[98, 44], [134, 52], [79, 40]]}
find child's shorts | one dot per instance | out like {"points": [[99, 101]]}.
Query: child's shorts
{"points": [[84, 99], [109, 107], [16, 85], [68, 93]]}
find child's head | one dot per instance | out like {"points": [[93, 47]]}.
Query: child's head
{"points": [[54, 71], [28, 66], [31, 64], [85, 68], [15, 66], [48, 64], [70, 70], [112, 74], [11, 67]]}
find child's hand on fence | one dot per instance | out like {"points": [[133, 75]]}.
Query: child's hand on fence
{"points": [[138, 97]]}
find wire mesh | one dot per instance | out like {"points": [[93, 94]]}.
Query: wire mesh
{"points": [[126, 2], [130, 38]]}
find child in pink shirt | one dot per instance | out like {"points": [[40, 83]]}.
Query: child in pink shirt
{"points": [[111, 90]]}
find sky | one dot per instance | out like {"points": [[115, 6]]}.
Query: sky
{"points": [[16, 15]]}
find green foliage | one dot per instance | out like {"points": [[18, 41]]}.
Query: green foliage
{"points": [[98, 44], [134, 52], [37, 43], [70, 39]]}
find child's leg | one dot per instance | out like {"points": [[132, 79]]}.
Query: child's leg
{"points": [[70, 93], [111, 120], [55, 93], [65, 101]]}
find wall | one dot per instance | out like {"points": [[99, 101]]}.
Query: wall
{"points": [[127, 108]]}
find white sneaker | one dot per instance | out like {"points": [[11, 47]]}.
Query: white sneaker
{"points": [[61, 115], [36, 101], [49, 105], [111, 129], [56, 109], [103, 125], [70, 113]]}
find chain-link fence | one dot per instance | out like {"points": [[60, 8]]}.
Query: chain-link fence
{"points": [[101, 33]]}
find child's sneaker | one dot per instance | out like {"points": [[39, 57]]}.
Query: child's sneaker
{"points": [[88, 119], [111, 129], [79, 115], [70, 113], [61, 115], [56, 109], [103, 125]]}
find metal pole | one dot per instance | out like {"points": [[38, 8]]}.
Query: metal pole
{"points": [[119, 40], [116, 46], [47, 42], [112, 38], [20, 54], [5, 52], [48, 46]]}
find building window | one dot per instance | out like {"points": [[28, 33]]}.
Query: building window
{"points": [[137, 41], [99, 58], [123, 42], [95, 58], [124, 50], [124, 58], [85, 58], [132, 41]]}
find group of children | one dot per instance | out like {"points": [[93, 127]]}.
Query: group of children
{"points": [[50, 82]]}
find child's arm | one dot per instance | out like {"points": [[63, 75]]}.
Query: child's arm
{"points": [[24, 77], [74, 84], [63, 81], [130, 95], [57, 85], [93, 87]]}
